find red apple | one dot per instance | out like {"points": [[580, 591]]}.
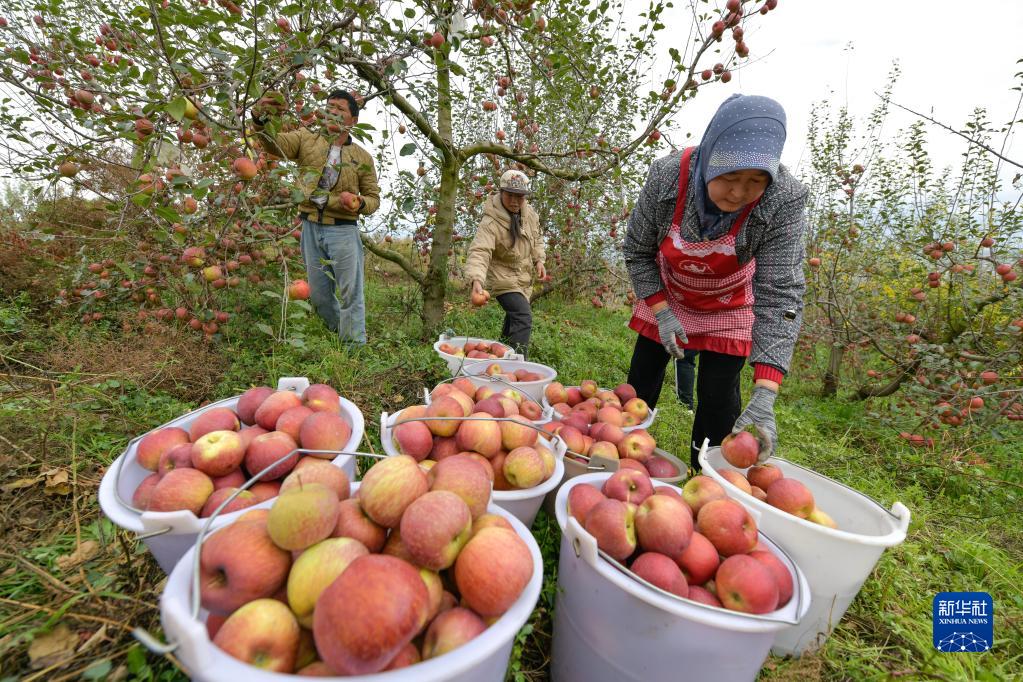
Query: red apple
{"points": [[738, 480], [262, 633], [625, 392], [747, 585], [740, 449], [181, 490], [217, 419], [369, 614], [791, 496], [492, 570], [465, 477], [637, 407], [660, 571], [728, 526], [763, 475], [555, 393], [699, 594], [290, 421], [140, 498], [353, 523], [322, 398], [267, 449], [218, 453], [450, 630], [523, 467], [483, 437], [611, 522], [244, 500], [323, 430], [271, 409], [389, 487], [302, 516], [638, 445], [156, 443], [781, 574], [435, 527], [659, 467], [699, 490], [628, 486], [312, 470], [176, 457], [250, 401], [663, 525], [581, 499], [413, 438], [699, 560], [240, 563]]}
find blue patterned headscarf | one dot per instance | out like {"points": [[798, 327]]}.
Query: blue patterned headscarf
{"points": [[747, 132]]}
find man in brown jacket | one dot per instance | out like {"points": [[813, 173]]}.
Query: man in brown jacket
{"points": [[340, 184], [506, 251]]}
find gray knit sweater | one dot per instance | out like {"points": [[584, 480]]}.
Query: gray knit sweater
{"points": [[773, 235]]}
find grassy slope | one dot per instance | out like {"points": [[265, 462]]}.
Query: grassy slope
{"points": [[76, 406]]}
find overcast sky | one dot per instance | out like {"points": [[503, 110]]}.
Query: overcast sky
{"points": [[954, 56]]}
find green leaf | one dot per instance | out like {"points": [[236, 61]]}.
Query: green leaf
{"points": [[408, 149], [177, 108], [271, 294], [168, 214], [304, 305], [265, 328]]}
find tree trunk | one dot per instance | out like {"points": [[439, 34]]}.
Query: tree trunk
{"points": [[436, 281], [834, 371]]}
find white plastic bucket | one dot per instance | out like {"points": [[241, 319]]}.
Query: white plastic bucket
{"points": [[645, 424], [484, 659], [523, 504], [836, 562], [456, 362], [533, 388], [168, 535], [609, 627]]}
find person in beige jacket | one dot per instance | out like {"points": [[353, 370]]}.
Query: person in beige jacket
{"points": [[339, 182], [505, 254]]}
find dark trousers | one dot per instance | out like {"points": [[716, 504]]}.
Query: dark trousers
{"points": [[518, 321], [718, 402], [685, 377]]}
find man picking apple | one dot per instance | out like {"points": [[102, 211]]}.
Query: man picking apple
{"points": [[715, 252], [340, 184], [506, 251]]}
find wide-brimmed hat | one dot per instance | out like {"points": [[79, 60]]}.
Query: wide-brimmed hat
{"points": [[515, 182]]}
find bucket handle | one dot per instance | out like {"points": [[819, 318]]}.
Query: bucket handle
{"points": [[585, 547]]}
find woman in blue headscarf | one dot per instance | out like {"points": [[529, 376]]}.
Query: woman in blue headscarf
{"points": [[715, 251]]}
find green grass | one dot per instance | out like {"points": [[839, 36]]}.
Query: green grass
{"points": [[71, 398]]}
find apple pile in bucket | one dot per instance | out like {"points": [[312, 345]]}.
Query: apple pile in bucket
{"points": [[509, 451], [197, 469], [700, 545], [483, 350], [766, 481], [323, 584], [590, 422], [511, 376]]}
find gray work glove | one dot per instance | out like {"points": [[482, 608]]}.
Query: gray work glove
{"points": [[668, 327], [760, 413]]}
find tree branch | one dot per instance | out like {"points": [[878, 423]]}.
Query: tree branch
{"points": [[394, 257]]}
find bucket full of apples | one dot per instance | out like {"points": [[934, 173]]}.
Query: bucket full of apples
{"points": [[835, 534], [402, 577], [649, 580], [500, 399], [465, 351], [619, 407], [522, 465], [170, 479]]}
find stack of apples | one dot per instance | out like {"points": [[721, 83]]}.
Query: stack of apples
{"points": [[511, 376], [197, 469], [324, 583], [766, 481], [591, 421], [510, 451], [619, 407], [483, 350], [698, 545]]}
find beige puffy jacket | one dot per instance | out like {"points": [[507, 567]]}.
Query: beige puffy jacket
{"points": [[492, 258]]}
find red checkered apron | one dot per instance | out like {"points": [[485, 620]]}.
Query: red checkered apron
{"points": [[706, 287]]}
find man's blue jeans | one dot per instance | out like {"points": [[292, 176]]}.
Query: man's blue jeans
{"points": [[333, 257]]}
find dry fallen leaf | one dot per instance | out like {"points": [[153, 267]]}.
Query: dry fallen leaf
{"points": [[20, 483], [85, 551], [52, 647], [57, 482]]}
